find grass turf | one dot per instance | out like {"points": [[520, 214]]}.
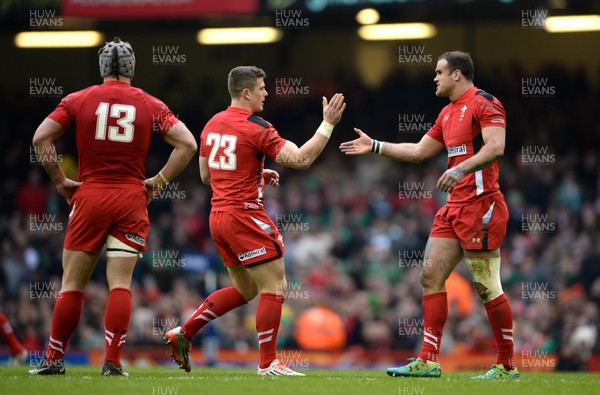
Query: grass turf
{"points": [[206, 381]]}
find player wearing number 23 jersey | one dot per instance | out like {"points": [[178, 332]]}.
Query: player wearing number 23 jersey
{"points": [[233, 147], [236, 143]]}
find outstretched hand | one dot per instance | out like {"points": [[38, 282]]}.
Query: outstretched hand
{"points": [[332, 111], [360, 146], [271, 177]]}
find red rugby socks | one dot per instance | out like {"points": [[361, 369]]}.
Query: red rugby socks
{"points": [[66, 315], [435, 312], [268, 317], [500, 317], [116, 323], [215, 305]]}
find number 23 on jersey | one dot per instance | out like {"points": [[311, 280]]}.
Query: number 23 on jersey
{"points": [[228, 160]]}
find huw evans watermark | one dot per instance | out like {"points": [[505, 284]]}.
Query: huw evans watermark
{"points": [[537, 87], [45, 20], [44, 87], [291, 87], [43, 290], [414, 191], [45, 223], [292, 358], [291, 19], [410, 327], [43, 153], [412, 259], [537, 155], [536, 290], [168, 259], [533, 19], [160, 326], [168, 55], [413, 123], [291, 223], [537, 223], [414, 55]]}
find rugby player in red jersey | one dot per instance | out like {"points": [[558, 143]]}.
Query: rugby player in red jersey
{"points": [[18, 353], [472, 223], [233, 148], [114, 123]]}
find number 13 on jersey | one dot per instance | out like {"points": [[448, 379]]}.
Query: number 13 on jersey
{"points": [[227, 161], [125, 122]]}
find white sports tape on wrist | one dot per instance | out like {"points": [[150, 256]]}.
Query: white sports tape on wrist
{"points": [[376, 146], [485, 273], [163, 178], [325, 128]]}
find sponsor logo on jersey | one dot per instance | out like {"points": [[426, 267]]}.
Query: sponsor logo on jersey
{"points": [[457, 150], [497, 120], [244, 256], [136, 239]]}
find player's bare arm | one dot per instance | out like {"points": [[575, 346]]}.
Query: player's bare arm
{"points": [[303, 157], [426, 148], [43, 143], [184, 146], [204, 172], [490, 152]]}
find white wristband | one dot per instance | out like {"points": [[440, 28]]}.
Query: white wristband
{"points": [[377, 146], [163, 178], [325, 128]]}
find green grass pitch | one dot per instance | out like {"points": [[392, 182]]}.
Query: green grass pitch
{"points": [[207, 381]]}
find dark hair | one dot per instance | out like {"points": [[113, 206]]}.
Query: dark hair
{"points": [[243, 77], [458, 60]]}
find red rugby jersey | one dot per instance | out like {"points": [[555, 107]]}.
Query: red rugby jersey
{"points": [[235, 143], [113, 126], [458, 127]]}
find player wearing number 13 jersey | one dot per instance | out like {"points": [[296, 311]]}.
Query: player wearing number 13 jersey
{"points": [[113, 126], [233, 148], [472, 223]]}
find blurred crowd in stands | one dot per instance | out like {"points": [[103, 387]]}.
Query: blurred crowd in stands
{"points": [[353, 228]]}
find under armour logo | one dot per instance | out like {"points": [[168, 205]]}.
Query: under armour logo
{"points": [[475, 240]]}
